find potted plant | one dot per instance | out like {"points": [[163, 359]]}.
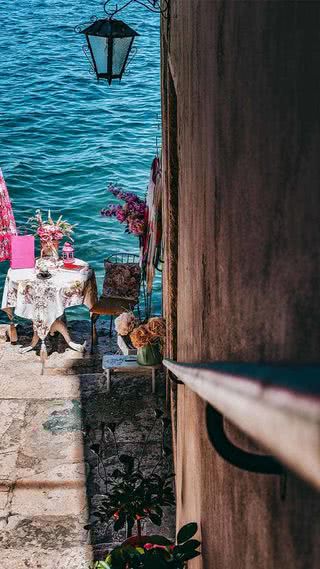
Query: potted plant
{"points": [[158, 553], [148, 338], [133, 493], [50, 232]]}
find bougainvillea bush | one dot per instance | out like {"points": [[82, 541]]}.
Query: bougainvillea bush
{"points": [[133, 213]]}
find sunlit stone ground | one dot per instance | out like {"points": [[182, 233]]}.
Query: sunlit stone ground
{"points": [[48, 476]]}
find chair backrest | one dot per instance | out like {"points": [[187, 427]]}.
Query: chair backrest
{"points": [[123, 258], [122, 276]]}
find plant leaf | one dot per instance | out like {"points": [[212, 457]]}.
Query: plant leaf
{"points": [[102, 565], [190, 545], [95, 448], [186, 532], [125, 458], [112, 427], [159, 540], [116, 473], [140, 550], [155, 518], [191, 555]]}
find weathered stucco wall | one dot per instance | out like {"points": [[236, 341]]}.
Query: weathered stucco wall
{"points": [[247, 82]]}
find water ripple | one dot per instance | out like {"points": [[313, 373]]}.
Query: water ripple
{"points": [[63, 136]]}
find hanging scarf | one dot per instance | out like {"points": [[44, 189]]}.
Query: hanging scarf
{"points": [[7, 221], [152, 248]]}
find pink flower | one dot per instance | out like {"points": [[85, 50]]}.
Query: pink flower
{"points": [[133, 212], [154, 546], [108, 211], [136, 226], [121, 215], [113, 190], [125, 323], [48, 232]]}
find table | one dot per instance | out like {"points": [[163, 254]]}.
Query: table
{"points": [[123, 363], [44, 301]]}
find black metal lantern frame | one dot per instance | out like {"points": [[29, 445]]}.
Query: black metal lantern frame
{"points": [[110, 41]]}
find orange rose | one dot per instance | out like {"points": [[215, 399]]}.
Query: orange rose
{"points": [[140, 336], [157, 327]]}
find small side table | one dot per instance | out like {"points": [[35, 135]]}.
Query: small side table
{"points": [[123, 363]]}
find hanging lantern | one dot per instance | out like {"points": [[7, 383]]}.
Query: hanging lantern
{"points": [[109, 42], [68, 254]]}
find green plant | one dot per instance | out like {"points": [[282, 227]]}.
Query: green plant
{"points": [[158, 553], [132, 495]]}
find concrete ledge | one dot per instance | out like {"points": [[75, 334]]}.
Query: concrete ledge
{"points": [[284, 420]]}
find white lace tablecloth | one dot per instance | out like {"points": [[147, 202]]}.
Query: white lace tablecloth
{"points": [[43, 301]]}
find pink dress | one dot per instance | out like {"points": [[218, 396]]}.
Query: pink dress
{"points": [[7, 221]]}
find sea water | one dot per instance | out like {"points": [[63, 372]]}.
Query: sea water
{"points": [[64, 136]]}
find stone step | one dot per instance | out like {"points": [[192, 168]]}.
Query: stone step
{"points": [[34, 369], [24, 557], [29, 385]]}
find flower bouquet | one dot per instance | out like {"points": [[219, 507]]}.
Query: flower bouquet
{"points": [[149, 338], [50, 232], [132, 213]]}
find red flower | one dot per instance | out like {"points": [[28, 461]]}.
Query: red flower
{"points": [[116, 515], [154, 546]]}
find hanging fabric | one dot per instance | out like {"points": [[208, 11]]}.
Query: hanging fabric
{"points": [[7, 221], [152, 244]]}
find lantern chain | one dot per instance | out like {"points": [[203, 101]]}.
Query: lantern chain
{"points": [[156, 6]]}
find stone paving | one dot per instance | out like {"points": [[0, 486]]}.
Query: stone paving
{"points": [[48, 477]]}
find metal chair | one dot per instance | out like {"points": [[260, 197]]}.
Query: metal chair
{"points": [[109, 305]]}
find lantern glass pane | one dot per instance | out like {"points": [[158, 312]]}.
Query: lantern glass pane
{"points": [[99, 46], [121, 47]]}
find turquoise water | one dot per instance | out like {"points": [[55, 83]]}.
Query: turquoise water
{"points": [[63, 135]]}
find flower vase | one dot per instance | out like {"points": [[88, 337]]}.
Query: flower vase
{"points": [[149, 355], [50, 249]]}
